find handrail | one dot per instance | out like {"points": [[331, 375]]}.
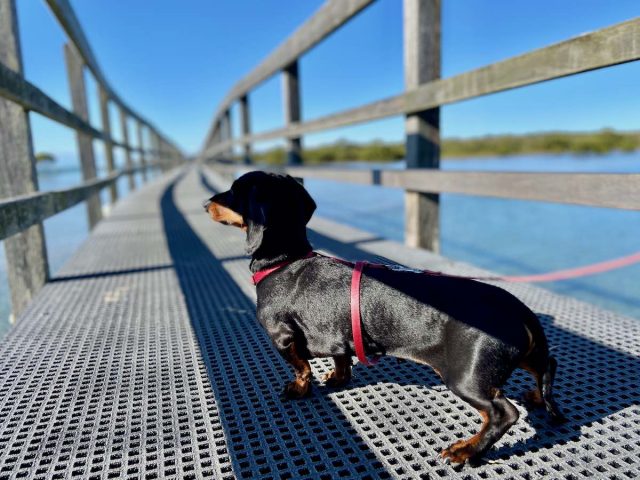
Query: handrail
{"points": [[15, 88], [610, 190], [21, 212], [603, 48]]}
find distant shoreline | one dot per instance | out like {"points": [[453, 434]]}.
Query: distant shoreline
{"points": [[579, 143]]}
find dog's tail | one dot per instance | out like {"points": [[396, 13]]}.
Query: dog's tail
{"points": [[543, 366], [547, 392]]}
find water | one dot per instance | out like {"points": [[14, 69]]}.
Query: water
{"points": [[507, 236]]}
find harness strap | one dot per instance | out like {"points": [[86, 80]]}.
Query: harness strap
{"points": [[356, 321], [260, 275]]}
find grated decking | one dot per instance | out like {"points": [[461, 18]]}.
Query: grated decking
{"points": [[143, 359]]}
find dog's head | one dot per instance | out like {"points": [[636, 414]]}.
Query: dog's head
{"points": [[267, 206]]}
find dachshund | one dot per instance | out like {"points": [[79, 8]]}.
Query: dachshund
{"points": [[471, 333]]}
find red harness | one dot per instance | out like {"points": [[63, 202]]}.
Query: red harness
{"points": [[356, 320], [260, 275]]}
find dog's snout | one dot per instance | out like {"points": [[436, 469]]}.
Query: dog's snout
{"points": [[206, 204]]}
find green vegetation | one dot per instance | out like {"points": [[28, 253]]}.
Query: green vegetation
{"points": [[600, 142], [45, 157], [340, 151]]}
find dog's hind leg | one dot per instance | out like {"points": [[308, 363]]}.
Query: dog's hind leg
{"points": [[498, 414], [301, 386], [341, 374], [543, 368]]}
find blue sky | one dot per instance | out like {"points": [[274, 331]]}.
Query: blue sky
{"points": [[173, 61]]}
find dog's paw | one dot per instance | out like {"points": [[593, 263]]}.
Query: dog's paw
{"points": [[331, 380], [296, 390], [458, 453]]}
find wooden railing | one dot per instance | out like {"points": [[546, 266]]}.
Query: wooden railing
{"points": [[420, 103], [22, 207]]}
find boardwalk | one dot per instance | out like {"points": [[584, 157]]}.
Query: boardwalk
{"points": [[142, 359]]}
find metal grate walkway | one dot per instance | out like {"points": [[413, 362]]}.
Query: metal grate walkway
{"points": [[142, 359]]}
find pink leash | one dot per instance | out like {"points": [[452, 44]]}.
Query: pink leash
{"points": [[573, 272]]}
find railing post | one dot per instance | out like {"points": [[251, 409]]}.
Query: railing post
{"points": [[75, 73], [143, 160], [155, 140], [26, 254], [127, 147], [108, 145], [218, 138], [228, 133], [291, 97], [246, 126], [422, 64]]}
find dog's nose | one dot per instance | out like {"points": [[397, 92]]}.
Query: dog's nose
{"points": [[206, 204]]}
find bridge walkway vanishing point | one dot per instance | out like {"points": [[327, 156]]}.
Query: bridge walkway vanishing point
{"points": [[143, 359]]}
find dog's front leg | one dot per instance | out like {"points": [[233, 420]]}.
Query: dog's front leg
{"points": [[301, 386], [341, 374]]}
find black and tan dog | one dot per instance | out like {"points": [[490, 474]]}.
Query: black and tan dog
{"points": [[472, 334]]}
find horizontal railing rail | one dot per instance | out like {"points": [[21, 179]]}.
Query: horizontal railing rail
{"points": [[21, 212], [611, 190], [15, 88], [604, 48]]}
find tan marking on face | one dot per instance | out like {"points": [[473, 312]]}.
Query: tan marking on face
{"points": [[225, 215]]}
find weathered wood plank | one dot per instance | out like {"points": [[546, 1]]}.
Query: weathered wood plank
{"points": [[610, 190], [291, 100], [127, 153], [422, 129], [331, 16], [245, 125], [227, 133], [157, 150], [21, 212], [143, 160], [594, 189], [108, 146], [604, 48], [20, 91], [75, 74], [26, 254]]}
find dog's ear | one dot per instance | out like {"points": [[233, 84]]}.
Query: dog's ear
{"points": [[306, 205], [256, 220]]}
